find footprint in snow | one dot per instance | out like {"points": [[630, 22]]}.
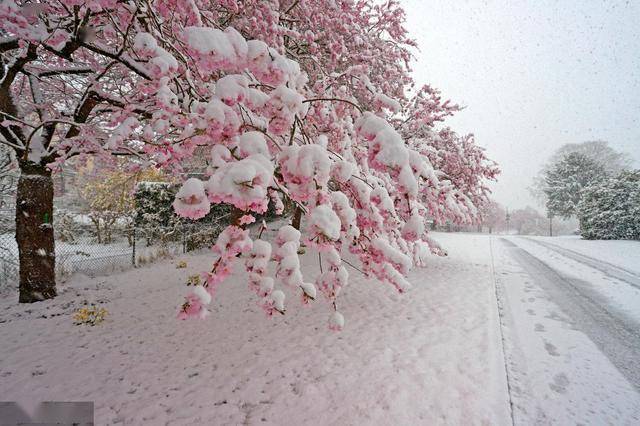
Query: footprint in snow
{"points": [[560, 383], [551, 349]]}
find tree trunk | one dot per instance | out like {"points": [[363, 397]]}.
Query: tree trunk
{"points": [[297, 217], [34, 233]]}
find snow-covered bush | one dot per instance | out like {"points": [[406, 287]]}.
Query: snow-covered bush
{"points": [[200, 236], [153, 205], [611, 209], [155, 218]]}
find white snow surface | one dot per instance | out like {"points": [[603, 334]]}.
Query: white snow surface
{"points": [[558, 371], [623, 296], [430, 356], [623, 253]]}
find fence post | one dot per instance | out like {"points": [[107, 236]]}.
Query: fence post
{"points": [[133, 251]]}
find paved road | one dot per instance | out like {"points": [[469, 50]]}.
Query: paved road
{"points": [[608, 269], [616, 334]]}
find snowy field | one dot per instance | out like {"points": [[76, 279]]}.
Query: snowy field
{"points": [[568, 351], [431, 356]]}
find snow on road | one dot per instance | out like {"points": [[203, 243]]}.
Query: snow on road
{"points": [[572, 333], [606, 284], [621, 253], [431, 356]]}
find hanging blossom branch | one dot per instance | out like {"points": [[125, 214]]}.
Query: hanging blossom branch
{"points": [[330, 134]]}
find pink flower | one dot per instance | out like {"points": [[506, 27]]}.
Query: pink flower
{"points": [[247, 219], [192, 307]]}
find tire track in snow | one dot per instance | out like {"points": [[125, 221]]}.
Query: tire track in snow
{"points": [[610, 270], [615, 335]]}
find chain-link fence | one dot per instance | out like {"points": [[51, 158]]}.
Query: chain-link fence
{"points": [[94, 248]]}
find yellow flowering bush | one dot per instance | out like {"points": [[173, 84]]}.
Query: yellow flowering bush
{"points": [[89, 315]]}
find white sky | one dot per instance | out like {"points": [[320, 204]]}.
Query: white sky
{"points": [[533, 76]]}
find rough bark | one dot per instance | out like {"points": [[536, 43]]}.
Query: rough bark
{"points": [[297, 217], [34, 233]]}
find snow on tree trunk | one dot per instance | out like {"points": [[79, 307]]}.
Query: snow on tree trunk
{"points": [[34, 233]]}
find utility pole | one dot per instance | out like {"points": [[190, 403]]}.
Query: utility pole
{"points": [[507, 218], [550, 224]]}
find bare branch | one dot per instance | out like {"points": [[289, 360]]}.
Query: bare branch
{"points": [[8, 43], [123, 59], [334, 100]]}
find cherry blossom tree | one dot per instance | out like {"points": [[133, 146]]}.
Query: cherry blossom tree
{"points": [[302, 103]]}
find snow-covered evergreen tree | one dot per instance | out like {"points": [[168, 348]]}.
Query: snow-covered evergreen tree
{"points": [[565, 182], [611, 209], [599, 151]]}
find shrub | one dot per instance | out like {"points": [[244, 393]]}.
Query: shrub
{"points": [[89, 315], [611, 209]]}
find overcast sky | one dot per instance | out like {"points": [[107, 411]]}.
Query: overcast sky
{"points": [[533, 75]]}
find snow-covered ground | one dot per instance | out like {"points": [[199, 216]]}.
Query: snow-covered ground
{"points": [[615, 285], [571, 330], [624, 254], [431, 356]]}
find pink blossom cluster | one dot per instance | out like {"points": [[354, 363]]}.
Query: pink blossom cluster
{"points": [[286, 256], [305, 170], [335, 277], [191, 200], [243, 184], [231, 242], [260, 282]]}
